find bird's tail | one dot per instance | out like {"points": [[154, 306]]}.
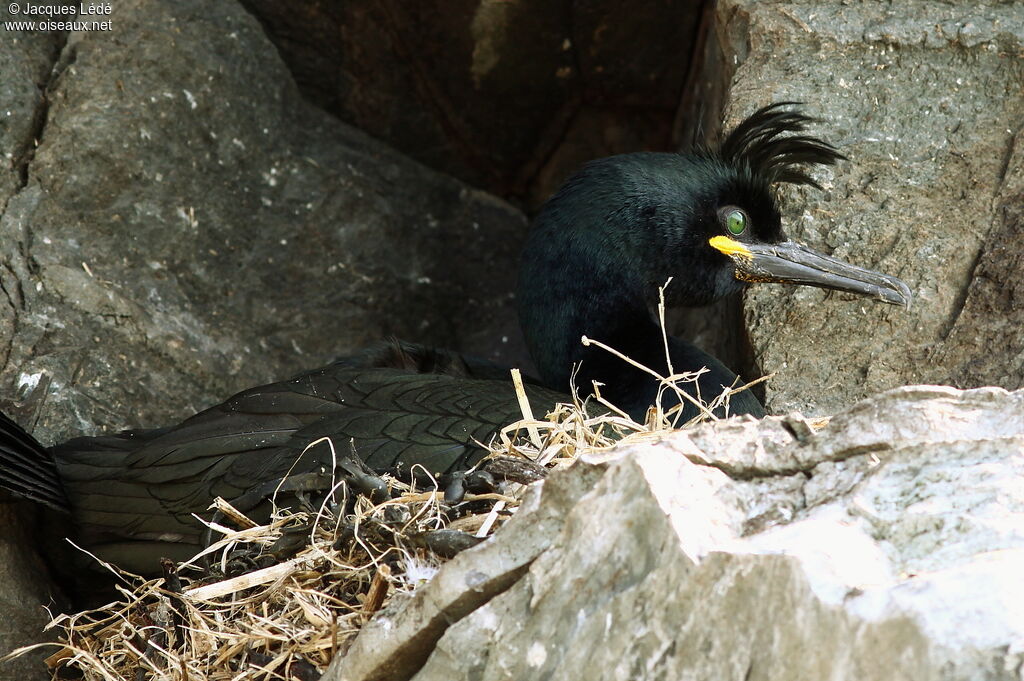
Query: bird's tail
{"points": [[27, 468]]}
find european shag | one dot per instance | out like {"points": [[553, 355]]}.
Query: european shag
{"points": [[593, 264]]}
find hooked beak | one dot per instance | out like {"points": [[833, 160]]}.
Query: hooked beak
{"points": [[793, 263]]}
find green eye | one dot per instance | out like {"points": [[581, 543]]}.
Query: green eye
{"points": [[736, 222]]}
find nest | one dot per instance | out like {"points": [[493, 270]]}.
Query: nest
{"points": [[289, 595]]}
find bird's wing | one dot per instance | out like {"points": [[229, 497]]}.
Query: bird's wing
{"points": [[147, 484], [27, 468]]}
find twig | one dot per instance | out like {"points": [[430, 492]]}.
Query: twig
{"points": [[664, 381], [524, 406]]}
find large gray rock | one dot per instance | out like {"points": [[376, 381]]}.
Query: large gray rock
{"points": [[188, 227], [887, 546], [26, 59], [25, 597], [927, 101]]}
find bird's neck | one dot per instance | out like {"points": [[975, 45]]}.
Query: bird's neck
{"points": [[569, 289]]}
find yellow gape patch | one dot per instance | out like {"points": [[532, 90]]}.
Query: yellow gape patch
{"points": [[730, 247]]}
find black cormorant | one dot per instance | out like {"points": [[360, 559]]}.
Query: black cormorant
{"points": [[594, 262]]}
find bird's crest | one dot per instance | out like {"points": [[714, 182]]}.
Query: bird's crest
{"points": [[761, 145]]}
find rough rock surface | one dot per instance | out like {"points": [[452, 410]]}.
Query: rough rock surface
{"points": [[510, 96], [26, 58], [887, 546], [188, 226], [24, 597], [927, 101]]}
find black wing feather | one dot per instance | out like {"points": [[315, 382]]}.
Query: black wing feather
{"points": [[146, 486], [27, 467]]}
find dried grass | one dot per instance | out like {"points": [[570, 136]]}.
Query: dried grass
{"points": [[287, 619]]}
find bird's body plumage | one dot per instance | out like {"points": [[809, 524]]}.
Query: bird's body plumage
{"points": [[146, 485], [593, 265], [603, 283]]}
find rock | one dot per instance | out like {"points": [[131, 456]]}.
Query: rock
{"points": [[888, 545], [508, 96], [984, 345], [188, 227], [26, 58], [395, 644], [25, 61], [926, 101], [24, 597]]}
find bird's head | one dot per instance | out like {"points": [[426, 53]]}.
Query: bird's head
{"points": [[609, 239], [741, 222], [709, 220]]}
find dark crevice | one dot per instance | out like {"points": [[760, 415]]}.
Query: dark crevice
{"points": [[557, 130], [698, 113], [433, 97], [550, 143], [415, 652], [28, 152], [21, 165], [41, 115], [746, 359], [8, 347], [1004, 167], [961, 296], [721, 328], [740, 472]]}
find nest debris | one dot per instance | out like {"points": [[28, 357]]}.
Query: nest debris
{"points": [[287, 596]]}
